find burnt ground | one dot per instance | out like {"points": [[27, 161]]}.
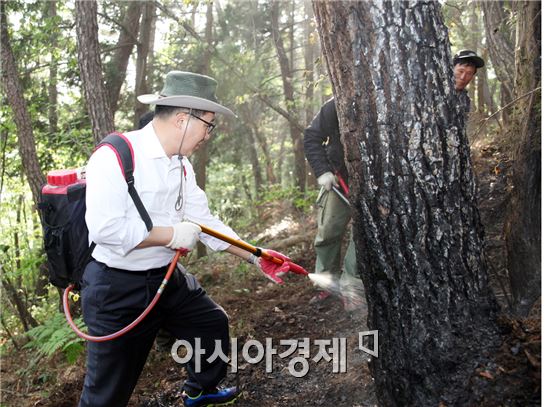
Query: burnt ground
{"points": [[259, 310]]}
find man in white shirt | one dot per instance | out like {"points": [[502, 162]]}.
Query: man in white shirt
{"points": [[129, 262]]}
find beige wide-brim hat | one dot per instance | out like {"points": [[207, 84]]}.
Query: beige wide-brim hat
{"points": [[188, 89]]}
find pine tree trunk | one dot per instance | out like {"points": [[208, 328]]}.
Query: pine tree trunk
{"points": [[523, 226], [253, 155], [52, 83], [27, 320], [299, 172], [89, 62], [16, 100], [416, 224], [309, 49], [116, 70], [202, 155], [500, 44], [269, 170], [143, 50]]}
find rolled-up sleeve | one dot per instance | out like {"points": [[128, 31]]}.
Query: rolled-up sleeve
{"points": [[107, 201], [197, 210]]}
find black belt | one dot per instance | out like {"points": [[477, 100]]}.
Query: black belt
{"points": [[144, 273]]}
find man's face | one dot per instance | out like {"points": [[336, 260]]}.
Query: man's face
{"points": [[463, 75], [197, 132]]}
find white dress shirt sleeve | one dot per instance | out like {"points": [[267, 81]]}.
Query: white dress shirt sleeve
{"points": [[196, 210], [107, 202]]}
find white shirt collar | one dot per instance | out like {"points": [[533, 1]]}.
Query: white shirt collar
{"points": [[152, 147]]}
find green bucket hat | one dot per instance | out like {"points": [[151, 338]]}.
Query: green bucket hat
{"points": [[188, 89]]}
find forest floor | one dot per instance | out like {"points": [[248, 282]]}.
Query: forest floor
{"points": [[260, 310]]}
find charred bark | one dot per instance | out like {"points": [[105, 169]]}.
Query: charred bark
{"points": [[89, 62], [523, 226], [416, 224]]}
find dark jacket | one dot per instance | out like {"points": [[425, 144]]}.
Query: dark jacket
{"points": [[464, 100], [322, 145]]}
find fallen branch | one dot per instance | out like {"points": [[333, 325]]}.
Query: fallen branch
{"points": [[484, 121], [291, 241]]}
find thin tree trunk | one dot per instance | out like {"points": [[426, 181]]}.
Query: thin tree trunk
{"points": [[290, 102], [487, 94], [294, 120], [27, 320], [16, 100], [116, 70], [89, 62], [201, 156], [309, 30], [500, 44], [52, 83], [253, 154], [8, 332], [144, 48], [270, 173], [523, 226], [417, 228]]}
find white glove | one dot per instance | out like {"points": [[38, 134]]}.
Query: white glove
{"points": [[186, 235], [327, 180]]}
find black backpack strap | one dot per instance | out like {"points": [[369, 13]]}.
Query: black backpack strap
{"points": [[123, 149]]}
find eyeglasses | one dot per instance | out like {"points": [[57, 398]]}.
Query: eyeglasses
{"points": [[209, 125]]}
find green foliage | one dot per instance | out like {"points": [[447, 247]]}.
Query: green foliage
{"points": [[301, 201], [55, 335]]}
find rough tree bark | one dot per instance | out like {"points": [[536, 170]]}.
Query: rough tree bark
{"points": [[523, 226], [144, 48], [309, 50], [89, 62], [116, 69], [286, 74], [16, 100], [417, 227], [500, 44]]}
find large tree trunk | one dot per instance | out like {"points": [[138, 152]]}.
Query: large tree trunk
{"points": [[89, 62], [116, 69], [523, 226], [417, 227], [16, 100], [290, 102]]}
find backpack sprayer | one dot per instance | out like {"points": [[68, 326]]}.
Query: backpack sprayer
{"points": [[63, 207]]}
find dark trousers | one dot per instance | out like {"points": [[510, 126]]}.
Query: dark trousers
{"points": [[112, 299]]}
